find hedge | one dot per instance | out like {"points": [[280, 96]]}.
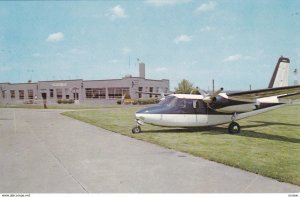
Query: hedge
{"points": [[65, 101]]}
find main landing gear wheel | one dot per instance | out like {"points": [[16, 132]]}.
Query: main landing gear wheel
{"points": [[136, 129], [234, 127]]}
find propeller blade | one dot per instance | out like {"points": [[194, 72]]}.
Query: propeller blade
{"points": [[202, 92], [209, 98], [217, 93]]}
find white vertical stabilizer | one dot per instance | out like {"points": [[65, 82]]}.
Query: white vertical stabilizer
{"points": [[280, 77]]}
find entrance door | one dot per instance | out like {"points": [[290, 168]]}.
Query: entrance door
{"points": [[76, 96], [201, 112], [44, 96]]}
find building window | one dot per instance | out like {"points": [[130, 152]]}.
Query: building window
{"points": [[59, 93], [95, 93], [3, 94], [157, 89], [67, 90], [140, 90], [117, 92], [51, 93], [30, 94], [12, 94], [21, 94], [150, 90]]}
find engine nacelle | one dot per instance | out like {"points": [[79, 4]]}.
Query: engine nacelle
{"points": [[225, 105]]}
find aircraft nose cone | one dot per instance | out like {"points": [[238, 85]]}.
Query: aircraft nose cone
{"points": [[142, 111], [150, 110]]}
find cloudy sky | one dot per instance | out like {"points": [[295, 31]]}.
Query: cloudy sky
{"points": [[235, 42]]}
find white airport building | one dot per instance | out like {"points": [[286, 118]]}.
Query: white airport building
{"points": [[83, 91]]}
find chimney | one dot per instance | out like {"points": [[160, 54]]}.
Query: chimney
{"points": [[142, 70]]}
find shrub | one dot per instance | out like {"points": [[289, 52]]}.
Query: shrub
{"points": [[127, 101], [127, 96], [119, 102], [148, 101], [65, 101], [28, 102]]}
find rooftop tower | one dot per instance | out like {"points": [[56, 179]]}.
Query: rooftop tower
{"points": [[142, 70]]}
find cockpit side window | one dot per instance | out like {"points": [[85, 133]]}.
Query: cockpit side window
{"points": [[169, 101], [181, 103]]}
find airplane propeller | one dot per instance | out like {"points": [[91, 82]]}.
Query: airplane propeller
{"points": [[210, 99]]}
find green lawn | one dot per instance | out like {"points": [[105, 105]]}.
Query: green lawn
{"points": [[269, 143]]}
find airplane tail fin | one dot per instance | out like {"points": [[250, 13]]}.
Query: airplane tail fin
{"points": [[280, 77]]}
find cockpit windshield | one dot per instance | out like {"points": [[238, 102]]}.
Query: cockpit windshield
{"points": [[169, 101]]}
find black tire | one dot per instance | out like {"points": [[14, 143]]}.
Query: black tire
{"points": [[136, 129], [234, 128]]}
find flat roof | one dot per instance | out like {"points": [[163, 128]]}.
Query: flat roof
{"points": [[62, 80]]}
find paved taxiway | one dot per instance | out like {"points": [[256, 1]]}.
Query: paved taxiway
{"points": [[43, 151]]}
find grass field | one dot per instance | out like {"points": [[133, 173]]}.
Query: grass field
{"points": [[269, 143]]}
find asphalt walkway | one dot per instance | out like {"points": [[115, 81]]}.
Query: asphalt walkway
{"points": [[42, 151]]}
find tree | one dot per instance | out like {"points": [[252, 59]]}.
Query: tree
{"points": [[184, 87]]}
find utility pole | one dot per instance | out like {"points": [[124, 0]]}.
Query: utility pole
{"points": [[31, 71], [296, 76]]}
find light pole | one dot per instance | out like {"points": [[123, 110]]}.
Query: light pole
{"points": [[31, 71]]}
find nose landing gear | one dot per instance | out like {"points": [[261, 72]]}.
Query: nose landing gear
{"points": [[136, 129]]}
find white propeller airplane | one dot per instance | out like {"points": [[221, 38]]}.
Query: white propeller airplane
{"points": [[187, 110]]}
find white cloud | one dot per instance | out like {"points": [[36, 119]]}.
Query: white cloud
{"points": [[206, 29], [161, 69], [205, 7], [55, 37], [227, 37], [36, 55], [189, 63], [117, 12], [5, 68], [114, 61], [77, 51], [297, 51], [182, 38], [236, 57], [125, 50], [166, 2]]}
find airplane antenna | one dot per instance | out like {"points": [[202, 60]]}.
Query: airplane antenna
{"points": [[137, 61], [129, 62]]}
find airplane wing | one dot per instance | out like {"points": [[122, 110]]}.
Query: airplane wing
{"points": [[261, 93], [295, 96], [154, 93]]}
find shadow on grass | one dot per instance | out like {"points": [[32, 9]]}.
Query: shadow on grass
{"points": [[174, 130], [264, 123], [245, 132]]}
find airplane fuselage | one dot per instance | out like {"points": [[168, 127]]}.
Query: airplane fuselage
{"points": [[186, 110], [180, 110]]}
